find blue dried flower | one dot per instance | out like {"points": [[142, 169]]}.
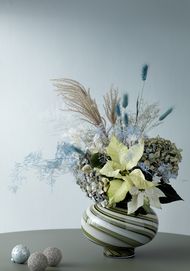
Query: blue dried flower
{"points": [[126, 119], [165, 114], [125, 100], [166, 173], [143, 166], [144, 72], [118, 110], [76, 149], [32, 158], [67, 149]]}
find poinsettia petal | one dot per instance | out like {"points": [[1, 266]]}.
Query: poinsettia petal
{"points": [[114, 185], [110, 169], [113, 149], [136, 202], [138, 179], [118, 190], [154, 202], [153, 194], [127, 179], [137, 173], [131, 157]]}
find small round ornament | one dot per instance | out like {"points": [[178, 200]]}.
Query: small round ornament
{"points": [[53, 255], [37, 262], [20, 254]]}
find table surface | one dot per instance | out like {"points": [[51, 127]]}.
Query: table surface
{"points": [[165, 252]]}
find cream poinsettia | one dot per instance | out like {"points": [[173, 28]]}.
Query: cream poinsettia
{"points": [[123, 159]]}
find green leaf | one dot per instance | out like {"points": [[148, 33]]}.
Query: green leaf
{"points": [[170, 193], [96, 160]]}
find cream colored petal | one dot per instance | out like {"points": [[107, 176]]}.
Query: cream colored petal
{"points": [[137, 173], [110, 170], [134, 191], [113, 149], [127, 178], [153, 194], [138, 179], [131, 157], [118, 190], [136, 202], [155, 202]]}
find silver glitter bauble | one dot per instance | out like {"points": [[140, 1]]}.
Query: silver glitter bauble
{"points": [[37, 262], [20, 254], [53, 255]]}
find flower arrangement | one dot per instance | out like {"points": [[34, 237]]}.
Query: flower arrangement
{"points": [[113, 159]]}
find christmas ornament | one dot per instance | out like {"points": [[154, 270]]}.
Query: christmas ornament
{"points": [[20, 254]]}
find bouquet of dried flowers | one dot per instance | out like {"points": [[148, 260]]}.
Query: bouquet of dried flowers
{"points": [[114, 161]]}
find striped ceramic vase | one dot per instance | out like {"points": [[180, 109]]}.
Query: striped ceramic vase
{"points": [[118, 232]]}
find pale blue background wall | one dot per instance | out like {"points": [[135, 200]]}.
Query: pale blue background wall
{"points": [[99, 43]]}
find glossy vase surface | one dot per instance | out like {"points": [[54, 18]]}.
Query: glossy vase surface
{"points": [[118, 232]]}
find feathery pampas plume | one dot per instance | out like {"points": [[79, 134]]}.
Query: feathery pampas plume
{"points": [[110, 102], [79, 100]]}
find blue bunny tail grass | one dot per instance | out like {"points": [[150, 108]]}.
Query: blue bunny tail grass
{"points": [[76, 149], [165, 114], [125, 100], [137, 109], [144, 72], [126, 119], [118, 110]]}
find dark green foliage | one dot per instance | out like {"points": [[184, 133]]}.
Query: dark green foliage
{"points": [[148, 175], [123, 203], [169, 192], [165, 114], [97, 160], [141, 211]]}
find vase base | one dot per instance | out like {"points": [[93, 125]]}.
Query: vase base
{"points": [[122, 253]]}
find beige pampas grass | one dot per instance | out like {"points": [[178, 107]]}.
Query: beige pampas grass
{"points": [[110, 101], [79, 100]]}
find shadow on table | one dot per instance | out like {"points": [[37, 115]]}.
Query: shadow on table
{"points": [[165, 253], [66, 265]]}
